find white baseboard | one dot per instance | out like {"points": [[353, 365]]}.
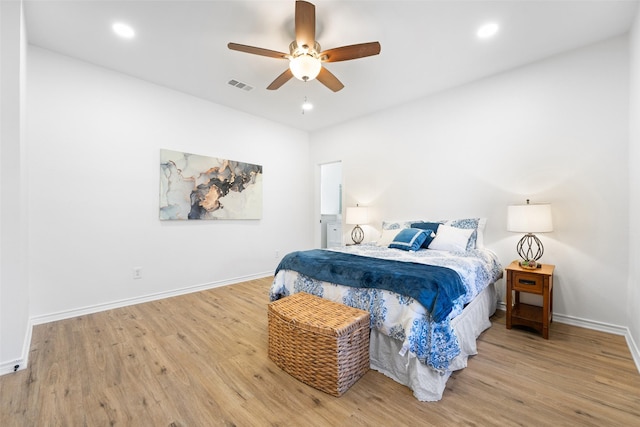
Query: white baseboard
{"points": [[37, 320], [10, 366], [20, 364], [596, 326], [633, 347]]}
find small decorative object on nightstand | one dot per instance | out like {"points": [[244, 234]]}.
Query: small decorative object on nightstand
{"points": [[538, 281]]}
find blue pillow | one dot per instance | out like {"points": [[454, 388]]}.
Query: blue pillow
{"points": [[431, 228], [409, 239]]}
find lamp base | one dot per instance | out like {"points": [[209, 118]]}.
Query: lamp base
{"points": [[526, 246], [357, 235]]}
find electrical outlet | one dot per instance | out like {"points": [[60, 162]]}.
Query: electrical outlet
{"points": [[277, 254], [137, 272]]}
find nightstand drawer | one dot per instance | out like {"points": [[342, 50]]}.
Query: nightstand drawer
{"points": [[528, 282]]}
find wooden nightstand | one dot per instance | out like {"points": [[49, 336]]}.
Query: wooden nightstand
{"points": [[538, 281]]}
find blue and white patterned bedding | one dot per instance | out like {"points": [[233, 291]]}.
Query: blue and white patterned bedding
{"points": [[398, 316]]}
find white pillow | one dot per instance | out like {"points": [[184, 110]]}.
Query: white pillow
{"points": [[482, 223], [451, 238], [392, 225], [478, 224], [387, 237]]}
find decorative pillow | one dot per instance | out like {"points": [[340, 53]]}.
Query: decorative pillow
{"points": [[397, 225], [387, 237], [431, 229], [409, 239], [476, 224], [451, 239]]}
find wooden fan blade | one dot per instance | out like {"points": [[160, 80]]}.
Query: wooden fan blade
{"points": [[305, 23], [353, 51], [257, 50], [280, 80], [329, 80]]}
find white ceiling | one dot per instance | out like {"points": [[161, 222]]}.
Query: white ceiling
{"points": [[427, 46]]}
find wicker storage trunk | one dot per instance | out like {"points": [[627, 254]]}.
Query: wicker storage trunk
{"points": [[321, 343]]}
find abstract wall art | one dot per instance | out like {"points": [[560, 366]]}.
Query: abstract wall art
{"points": [[200, 187]]}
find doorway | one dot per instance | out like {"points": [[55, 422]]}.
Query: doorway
{"points": [[331, 204]]}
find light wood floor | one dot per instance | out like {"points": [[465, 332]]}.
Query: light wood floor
{"points": [[200, 360]]}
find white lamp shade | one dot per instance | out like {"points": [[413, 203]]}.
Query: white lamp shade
{"points": [[357, 215], [529, 218], [305, 67]]}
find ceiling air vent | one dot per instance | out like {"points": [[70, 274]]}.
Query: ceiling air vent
{"points": [[240, 85]]}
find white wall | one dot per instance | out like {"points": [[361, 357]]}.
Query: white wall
{"points": [[554, 131], [634, 190], [14, 291], [94, 140]]}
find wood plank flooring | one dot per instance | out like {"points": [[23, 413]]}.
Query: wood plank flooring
{"points": [[201, 360]]}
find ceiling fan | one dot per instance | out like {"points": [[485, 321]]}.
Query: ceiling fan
{"points": [[305, 57]]}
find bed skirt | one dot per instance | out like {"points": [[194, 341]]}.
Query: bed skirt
{"points": [[427, 384]]}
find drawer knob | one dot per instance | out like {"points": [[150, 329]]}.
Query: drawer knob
{"points": [[527, 282]]}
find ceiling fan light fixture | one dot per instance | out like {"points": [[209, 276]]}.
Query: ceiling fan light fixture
{"points": [[305, 67], [305, 56]]}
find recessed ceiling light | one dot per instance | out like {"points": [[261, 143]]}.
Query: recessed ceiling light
{"points": [[488, 30], [123, 30], [306, 105]]}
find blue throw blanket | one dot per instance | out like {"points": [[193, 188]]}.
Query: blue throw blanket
{"points": [[435, 287]]}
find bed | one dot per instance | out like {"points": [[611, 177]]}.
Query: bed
{"points": [[430, 289]]}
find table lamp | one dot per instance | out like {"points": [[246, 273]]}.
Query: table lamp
{"points": [[355, 216], [529, 219]]}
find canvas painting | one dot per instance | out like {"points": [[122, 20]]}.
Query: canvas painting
{"points": [[200, 187]]}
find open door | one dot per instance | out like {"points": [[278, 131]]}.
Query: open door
{"points": [[331, 204]]}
